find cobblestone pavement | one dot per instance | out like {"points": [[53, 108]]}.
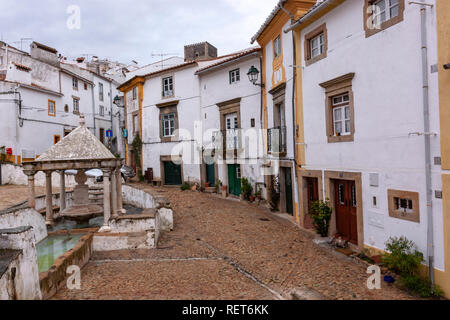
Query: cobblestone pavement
{"points": [[226, 249], [11, 195]]}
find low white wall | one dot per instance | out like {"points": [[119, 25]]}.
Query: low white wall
{"points": [[24, 216], [13, 174], [137, 198], [26, 282]]}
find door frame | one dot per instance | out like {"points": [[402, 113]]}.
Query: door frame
{"points": [[203, 174], [163, 176], [281, 180], [330, 176], [302, 176]]}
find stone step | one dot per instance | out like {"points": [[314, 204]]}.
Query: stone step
{"points": [[210, 190]]}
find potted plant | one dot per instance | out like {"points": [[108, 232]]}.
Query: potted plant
{"points": [[207, 184], [246, 189], [321, 214]]}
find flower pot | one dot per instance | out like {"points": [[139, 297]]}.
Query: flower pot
{"points": [[207, 184], [252, 198]]}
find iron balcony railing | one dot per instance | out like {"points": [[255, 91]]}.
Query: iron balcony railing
{"points": [[230, 138], [276, 140]]}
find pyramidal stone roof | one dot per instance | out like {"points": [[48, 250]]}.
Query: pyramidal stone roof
{"points": [[80, 144]]}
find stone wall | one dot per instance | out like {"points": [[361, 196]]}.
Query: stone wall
{"points": [[24, 283]]}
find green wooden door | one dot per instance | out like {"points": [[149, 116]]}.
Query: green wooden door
{"points": [[288, 179], [210, 174], [172, 173], [234, 179]]}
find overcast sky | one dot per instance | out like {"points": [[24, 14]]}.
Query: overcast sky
{"points": [[128, 30]]}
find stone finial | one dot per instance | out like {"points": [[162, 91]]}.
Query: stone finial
{"points": [[82, 120]]}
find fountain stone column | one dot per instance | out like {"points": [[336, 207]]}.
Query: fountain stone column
{"points": [[31, 191], [62, 192], [48, 199], [106, 200], [119, 193], [114, 191]]}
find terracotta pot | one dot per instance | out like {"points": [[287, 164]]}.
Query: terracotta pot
{"points": [[224, 188], [207, 184], [252, 198]]}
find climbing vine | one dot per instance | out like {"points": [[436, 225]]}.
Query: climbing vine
{"points": [[137, 151]]}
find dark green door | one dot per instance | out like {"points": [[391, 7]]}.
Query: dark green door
{"points": [[172, 173], [210, 174], [234, 179], [288, 179]]}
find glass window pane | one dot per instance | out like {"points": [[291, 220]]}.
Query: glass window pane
{"points": [[347, 126], [337, 114], [394, 11], [347, 113], [338, 127]]}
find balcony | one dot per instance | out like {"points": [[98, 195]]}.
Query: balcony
{"points": [[276, 140], [231, 138]]}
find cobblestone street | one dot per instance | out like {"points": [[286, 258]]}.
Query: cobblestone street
{"points": [[225, 249]]}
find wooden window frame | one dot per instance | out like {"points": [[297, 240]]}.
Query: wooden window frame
{"points": [[413, 215], [386, 24], [101, 110], [133, 116], [281, 47], [134, 92], [56, 136], [237, 75], [100, 91], [76, 111], [322, 29], [172, 84], [333, 88], [54, 108], [165, 109], [75, 83]]}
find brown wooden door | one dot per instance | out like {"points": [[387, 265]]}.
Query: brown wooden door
{"points": [[345, 204], [312, 186], [102, 135]]}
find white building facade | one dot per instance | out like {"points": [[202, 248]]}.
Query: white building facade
{"points": [[364, 134]]}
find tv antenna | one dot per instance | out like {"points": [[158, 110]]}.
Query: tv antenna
{"points": [[162, 55], [21, 42]]}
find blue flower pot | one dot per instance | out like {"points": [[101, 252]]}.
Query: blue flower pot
{"points": [[389, 279]]}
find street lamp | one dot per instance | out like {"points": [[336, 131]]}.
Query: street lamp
{"points": [[253, 75], [116, 100]]}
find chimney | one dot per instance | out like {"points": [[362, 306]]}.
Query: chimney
{"points": [[199, 52], [44, 53]]}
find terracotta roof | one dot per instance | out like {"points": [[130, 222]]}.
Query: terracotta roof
{"points": [[230, 58], [21, 66], [44, 47], [268, 20], [80, 144]]}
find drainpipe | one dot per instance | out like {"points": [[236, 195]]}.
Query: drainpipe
{"points": [[426, 120], [427, 138], [93, 110], [294, 120]]}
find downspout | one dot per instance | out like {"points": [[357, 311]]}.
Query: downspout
{"points": [[294, 119], [93, 110], [426, 119]]}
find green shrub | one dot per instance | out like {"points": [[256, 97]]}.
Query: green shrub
{"points": [[321, 214], [246, 189], [185, 186], [404, 258], [420, 285]]}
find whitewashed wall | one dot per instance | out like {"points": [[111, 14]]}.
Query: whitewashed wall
{"points": [[387, 91]]}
